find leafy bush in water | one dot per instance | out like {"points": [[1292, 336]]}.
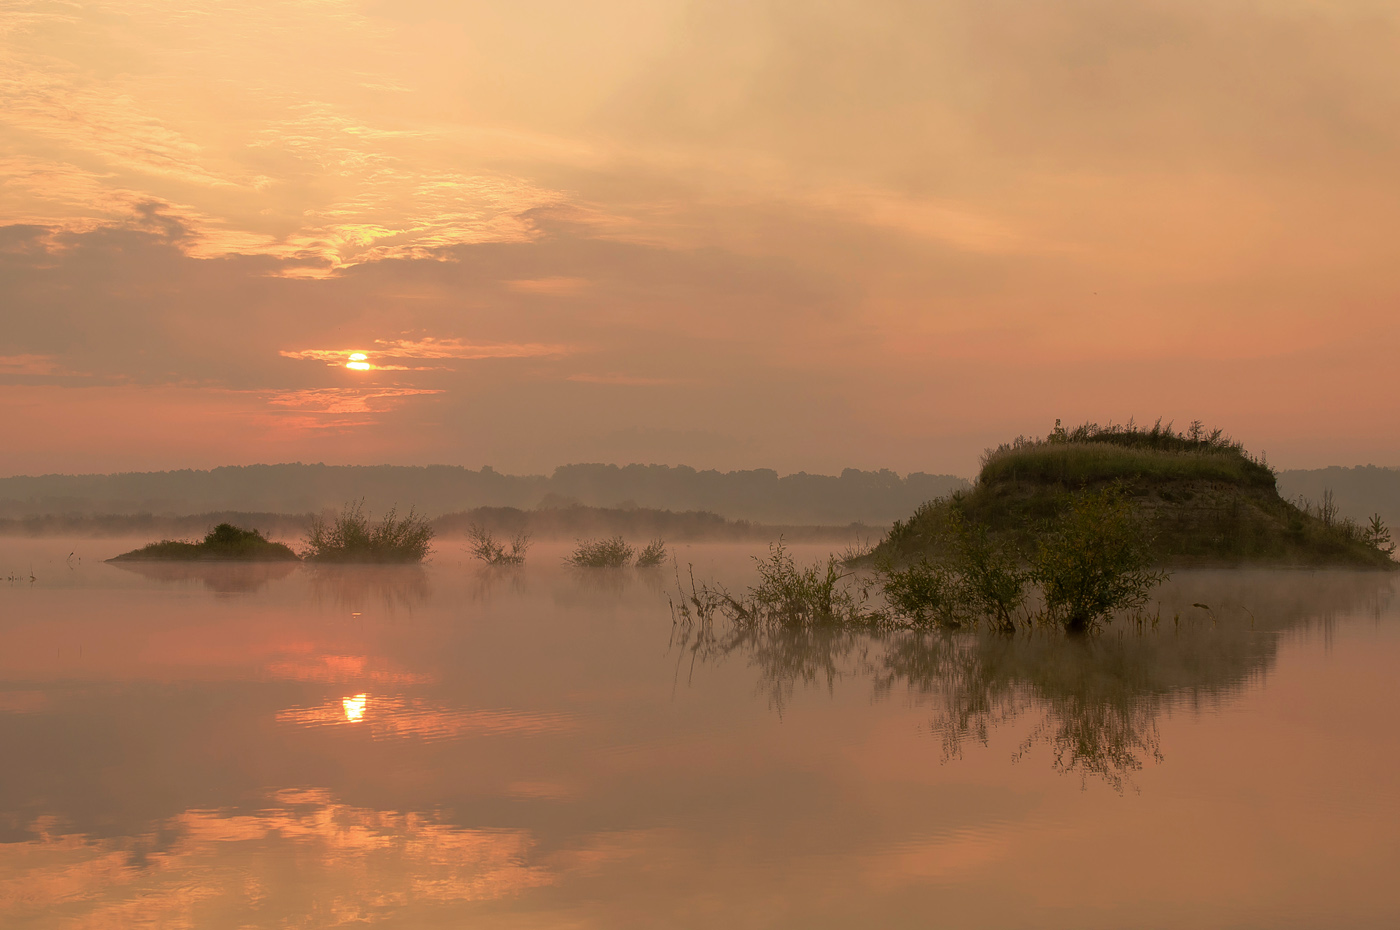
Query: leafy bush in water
{"points": [[1094, 562], [652, 554], [602, 553], [924, 592], [351, 537], [485, 547], [993, 581]]}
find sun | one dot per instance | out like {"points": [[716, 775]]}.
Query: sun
{"points": [[358, 362]]}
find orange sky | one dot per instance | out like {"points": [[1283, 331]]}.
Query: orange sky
{"points": [[800, 235]]}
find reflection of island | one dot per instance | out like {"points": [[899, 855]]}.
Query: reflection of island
{"points": [[1093, 701], [220, 577]]}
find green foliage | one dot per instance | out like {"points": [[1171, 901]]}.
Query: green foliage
{"points": [[350, 536], [602, 553], [789, 596], [485, 546], [923, 592], [652, 554], [993, 580], [224, 542], [1094, 562], [977, 576]]}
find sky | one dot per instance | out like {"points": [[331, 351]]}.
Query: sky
{"points": [[802, 235]]}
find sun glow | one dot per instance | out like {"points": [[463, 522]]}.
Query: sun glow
{"points": [[359, 362], [355, 707]]}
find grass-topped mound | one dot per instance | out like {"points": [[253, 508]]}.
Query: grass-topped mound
{"points": [[224, 543], [1200, 498]]}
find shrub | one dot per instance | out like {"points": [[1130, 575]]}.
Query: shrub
{"points": [[978, 577], [924, 592], [993, 582], [602, 553], [485, 547], [786, 599], [652, 554], [1094, 561], [351, 537], [796, 597]]}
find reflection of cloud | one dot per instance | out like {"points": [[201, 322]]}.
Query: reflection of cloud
{"points": [[398, 717], [344, 865], [336, 668], [23, 702]]}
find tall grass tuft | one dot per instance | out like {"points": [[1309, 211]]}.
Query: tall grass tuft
{"points": [[613, 552], [484, 546], [350, 536]]}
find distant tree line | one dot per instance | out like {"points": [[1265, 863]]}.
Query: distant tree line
{"points": [[759, 495]]}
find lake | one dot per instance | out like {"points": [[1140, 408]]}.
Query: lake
{"points": [[449, 746]]}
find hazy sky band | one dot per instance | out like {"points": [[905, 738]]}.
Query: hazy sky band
{"points": [[797, 235]]}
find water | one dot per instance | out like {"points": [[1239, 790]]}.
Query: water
{"points": [[450, 746]]}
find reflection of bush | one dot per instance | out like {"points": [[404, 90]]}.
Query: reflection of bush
{"points": [[1093, 700], [354, 587]]}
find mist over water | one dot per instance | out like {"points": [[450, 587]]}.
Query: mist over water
{"points": [[450, 745]]}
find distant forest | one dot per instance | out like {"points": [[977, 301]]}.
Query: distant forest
{"points": [[759, 495]]}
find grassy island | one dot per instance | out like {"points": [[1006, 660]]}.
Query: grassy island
{"points": [[224, 543], [1199, 498]]}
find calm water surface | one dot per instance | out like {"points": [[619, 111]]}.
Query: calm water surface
{"points": [[452, 747]]}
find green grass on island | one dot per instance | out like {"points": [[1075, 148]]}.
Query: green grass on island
{"points": [[1200, 499], [224, 543]]}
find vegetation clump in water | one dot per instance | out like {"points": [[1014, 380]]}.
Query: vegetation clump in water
{"points": [[484, 546], [224, 543], [350, 536], [613, 552], [652, 554]]}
